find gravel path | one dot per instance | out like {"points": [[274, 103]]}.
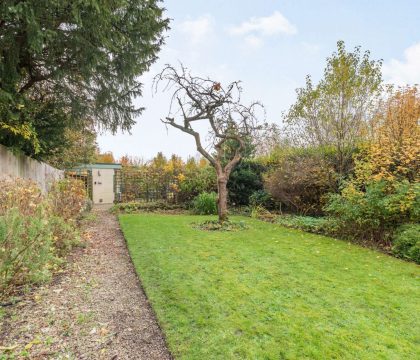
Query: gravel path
{"points": [[94, 309]]}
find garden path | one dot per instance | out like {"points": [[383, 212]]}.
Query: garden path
{"points": [[94, 309]]}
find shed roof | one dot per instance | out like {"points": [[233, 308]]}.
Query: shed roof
{"points": [[98, 166]]}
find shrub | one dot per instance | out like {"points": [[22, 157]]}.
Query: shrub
{"points": [[67, 198], [35, 230], [261, 213], [385, 190], [261, 198], [65, 236], [245, 180], [196, 181], [22, 194], [205, 204], [300, 180], [406, 242], [374, 212], [25, 250]]}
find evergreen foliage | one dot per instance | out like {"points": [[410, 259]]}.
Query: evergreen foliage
{"points": [[245, 179], [68, 62]]}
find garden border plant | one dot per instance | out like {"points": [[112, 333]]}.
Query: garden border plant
{"points": [[37, 231], [146, 206]]}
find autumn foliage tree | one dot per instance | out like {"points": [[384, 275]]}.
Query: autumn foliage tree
{"points": [[232, 124], [394, 150], [169, 179], [385, 190], [106, 157]]}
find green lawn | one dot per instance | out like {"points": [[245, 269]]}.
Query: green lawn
{"points": [[273, 293]]}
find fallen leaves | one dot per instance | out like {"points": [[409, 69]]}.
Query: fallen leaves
{"points": [[35, 341], [104, 332]]}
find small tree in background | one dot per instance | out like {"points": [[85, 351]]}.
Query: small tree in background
{"points": [[78, 147], [231, 123], [336, 111], [106, 157]]}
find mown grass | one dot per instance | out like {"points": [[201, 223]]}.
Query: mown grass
{"points": [[269, 292]]}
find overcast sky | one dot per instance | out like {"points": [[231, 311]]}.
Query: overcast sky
{"points": [[270, 45]]}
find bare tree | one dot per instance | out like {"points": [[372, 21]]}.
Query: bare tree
{"points": [[231, 124]]}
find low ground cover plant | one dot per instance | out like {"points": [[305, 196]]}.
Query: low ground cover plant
{"points": [[204, 204], [145, 206], [317, 225], [215, 225], [261, 213], [36, 230], [403, 241]]}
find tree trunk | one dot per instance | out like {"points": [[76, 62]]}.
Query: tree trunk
{"points": [[222, 209]]}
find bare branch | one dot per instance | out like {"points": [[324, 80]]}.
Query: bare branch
{"points": [[231, 123]]}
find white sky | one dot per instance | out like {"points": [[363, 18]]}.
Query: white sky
{"points": [[270, 45]]}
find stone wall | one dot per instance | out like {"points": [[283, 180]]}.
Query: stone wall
{"points": [[12, 166]]}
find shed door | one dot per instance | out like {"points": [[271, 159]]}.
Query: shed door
{"points": [[103, 186]]}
